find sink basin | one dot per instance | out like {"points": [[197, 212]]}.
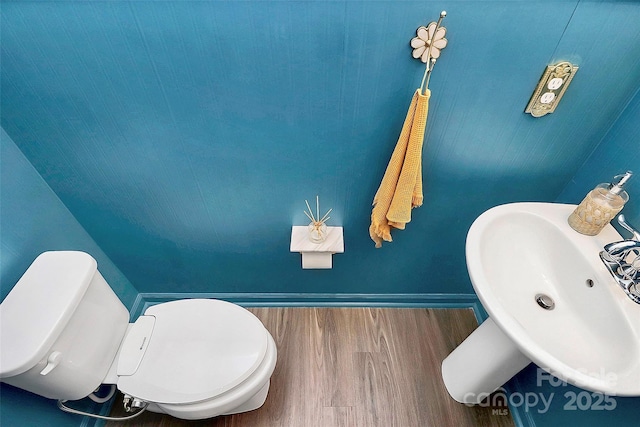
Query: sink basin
{"points": [[524, 258]]}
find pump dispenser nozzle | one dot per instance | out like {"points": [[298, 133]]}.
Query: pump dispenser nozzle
{"points": [[617, 188]]}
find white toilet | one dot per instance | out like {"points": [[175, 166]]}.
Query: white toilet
{"points": [[64, 332]]}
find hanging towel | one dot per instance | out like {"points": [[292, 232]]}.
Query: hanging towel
{"points": [[401, 186]]}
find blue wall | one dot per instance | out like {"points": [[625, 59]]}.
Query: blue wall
{"points": [[184, 136], [618, 152], [34, 220]]}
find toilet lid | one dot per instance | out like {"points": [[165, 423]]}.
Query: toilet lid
{"points": [[197, 350]]}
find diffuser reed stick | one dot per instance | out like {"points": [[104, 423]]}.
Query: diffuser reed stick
{"points": [[326, 217], [317, 227]]}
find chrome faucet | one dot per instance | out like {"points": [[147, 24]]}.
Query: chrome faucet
{"points": [[622, 259]]}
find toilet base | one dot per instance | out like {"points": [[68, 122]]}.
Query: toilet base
{"points": [[195, 413], [254, 403], [247, 396]]}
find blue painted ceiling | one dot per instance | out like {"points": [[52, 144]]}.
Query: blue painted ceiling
{"points": [[186, 135]]}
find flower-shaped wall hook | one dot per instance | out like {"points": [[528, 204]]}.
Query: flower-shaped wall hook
{"points": [[427, 46], [429, 41]]}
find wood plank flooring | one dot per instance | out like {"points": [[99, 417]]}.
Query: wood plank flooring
{"points": [[355, 367]]}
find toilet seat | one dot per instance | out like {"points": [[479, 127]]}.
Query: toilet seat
{"points": [[188, 351]]}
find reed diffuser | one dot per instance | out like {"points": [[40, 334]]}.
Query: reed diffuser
{"points": [[317, 226]]}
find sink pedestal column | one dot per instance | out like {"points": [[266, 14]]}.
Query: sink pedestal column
{"points": [[481, 364]]}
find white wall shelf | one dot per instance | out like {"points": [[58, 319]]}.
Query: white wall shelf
{"points": [[317, 255]]}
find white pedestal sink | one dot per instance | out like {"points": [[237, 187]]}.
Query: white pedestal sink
{"points": [[590, 337]]}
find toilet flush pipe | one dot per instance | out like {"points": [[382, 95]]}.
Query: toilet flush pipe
{"points": [[63, 407]]}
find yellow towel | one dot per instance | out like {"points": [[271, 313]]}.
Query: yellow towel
{"points": [[401, 186]]}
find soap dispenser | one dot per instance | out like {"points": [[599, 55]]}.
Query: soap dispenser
{"points": [[600, 206]]}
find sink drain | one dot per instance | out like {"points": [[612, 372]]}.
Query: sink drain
{"points": [[545, 301]]}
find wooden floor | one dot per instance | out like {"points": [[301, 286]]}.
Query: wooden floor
{"points": [[361, 367]]}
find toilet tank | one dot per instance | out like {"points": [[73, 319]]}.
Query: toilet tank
{"points": [[60, 327]]}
